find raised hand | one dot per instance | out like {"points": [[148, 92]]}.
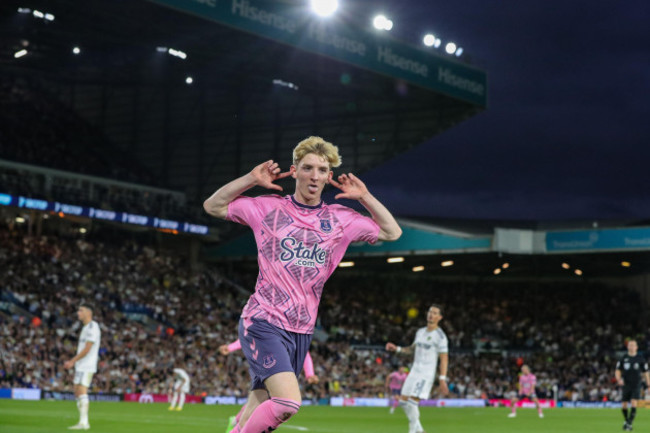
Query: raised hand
{"points": [[353, 188], [268, 172], [223, 349]]}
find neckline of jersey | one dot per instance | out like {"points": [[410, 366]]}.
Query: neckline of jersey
{"points": [[306, 206]]}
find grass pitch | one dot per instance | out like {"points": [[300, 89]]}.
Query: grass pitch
{"points": [[56, 416]]}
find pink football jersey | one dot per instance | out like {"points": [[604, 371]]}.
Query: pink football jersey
{"points": [[396, 380], [527, 383], [299, 247]]}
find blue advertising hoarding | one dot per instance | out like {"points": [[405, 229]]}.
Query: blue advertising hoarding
{"points": [[623, 239], [101, 214]]}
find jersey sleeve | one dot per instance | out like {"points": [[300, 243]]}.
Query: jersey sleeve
{"points": [[308, 366], [93, 333], [235, 345], [443, 345], [360, 228], [244, 210]]}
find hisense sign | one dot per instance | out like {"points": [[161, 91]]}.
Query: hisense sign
{"points": [[295, 27]]}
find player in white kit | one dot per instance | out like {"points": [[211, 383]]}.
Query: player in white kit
{"points": [[85, 362], [430, 344], [181, 387]]}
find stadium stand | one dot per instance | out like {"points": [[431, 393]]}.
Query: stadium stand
{"points": [[155, 312]]}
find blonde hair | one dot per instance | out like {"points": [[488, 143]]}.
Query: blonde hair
{"points": [[319, 147]]}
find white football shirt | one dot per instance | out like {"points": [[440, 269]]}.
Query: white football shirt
{"points": [[428, 345], [181, 374], [89, 333]]}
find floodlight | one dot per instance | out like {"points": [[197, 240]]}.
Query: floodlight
{"points": [[324, 8], [380, 22]]}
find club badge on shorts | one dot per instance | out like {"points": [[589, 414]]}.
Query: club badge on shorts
{"points": [[268, 361]]}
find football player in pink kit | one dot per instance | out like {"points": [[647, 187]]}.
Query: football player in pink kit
{"points": [[394, 382], [527, 382], [300, 241]]}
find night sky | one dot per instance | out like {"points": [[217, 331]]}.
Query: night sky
{"points": [[567, 131]]}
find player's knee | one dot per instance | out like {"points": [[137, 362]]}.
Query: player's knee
{"points": [[283, 408]]}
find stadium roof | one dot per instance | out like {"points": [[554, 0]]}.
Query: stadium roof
{"points": [[196, 137]]}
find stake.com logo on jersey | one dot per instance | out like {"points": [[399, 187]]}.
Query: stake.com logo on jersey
{"points": [[307, 257]]}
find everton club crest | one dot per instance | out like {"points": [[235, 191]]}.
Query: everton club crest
{"points": [[325, 226], [268, 361]]}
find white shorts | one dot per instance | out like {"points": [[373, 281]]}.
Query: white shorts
{"points": [[185, 388], [418, 386], [83, 378]]}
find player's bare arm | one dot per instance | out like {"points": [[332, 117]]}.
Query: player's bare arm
{"points": [[619, 377], [263, 175], [444, 363], [354, 189], [78, 356], [392, 347]]}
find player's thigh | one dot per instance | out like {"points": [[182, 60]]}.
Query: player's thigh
{"points": [[284, 385]]}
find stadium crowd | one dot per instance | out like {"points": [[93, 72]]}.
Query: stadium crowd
{"points": [[155, 313]]}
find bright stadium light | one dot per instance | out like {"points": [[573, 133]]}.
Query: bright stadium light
{"points": [[324, 8], [506, 265], [177, 53], [189, 80], [429, 40], [49, 17], [346, 264], [161, 49], [450, 48], [395, 259], [24, 10], [418, 269], [82, 230], [565, 266], [20, 220], [382, 23], [626, 264], [578, 272], [497, 271], [447, 263], [38, 14], [76, 50], [19, 54], [459, 51]]}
